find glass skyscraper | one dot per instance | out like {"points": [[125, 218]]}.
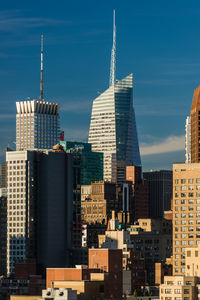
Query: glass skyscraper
{"points": [[113, 129]]}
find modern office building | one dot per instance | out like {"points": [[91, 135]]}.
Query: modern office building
{"points": [[39, 205], [188, 140], [160, 191], [37, 121], [87, 167], [186, 212], [113, 125], [113, 129], [138, 191], [91, 163], [37, 125], [3, 234], [195, 126]]}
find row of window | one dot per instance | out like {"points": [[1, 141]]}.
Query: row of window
{"points": [[189, 208], [190, 228], [183, 181], [16, 196], [187, 201], [16, 167], [184, 242], [16, 230], [189, 215], [189, 194], [189, 187], [16, 184], [184, 235]]}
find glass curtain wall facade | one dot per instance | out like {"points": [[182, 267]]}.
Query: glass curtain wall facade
{"points": [[37, 125], [113, 129]]}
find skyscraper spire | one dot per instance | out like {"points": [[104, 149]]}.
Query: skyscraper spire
{"points": [[113, 54], [41, 78]]}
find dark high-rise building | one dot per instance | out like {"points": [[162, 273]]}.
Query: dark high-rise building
{"points": [[91, 163], [39, 207], [4, 175], [160, 191], [3, 235], [133, 195], [87, 167]]}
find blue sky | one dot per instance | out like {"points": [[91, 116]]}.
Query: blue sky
{"points": [[159, 41]]}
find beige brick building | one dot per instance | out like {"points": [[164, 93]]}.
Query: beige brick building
{"points": [[179, 288], [186, 212], [192, 261]]}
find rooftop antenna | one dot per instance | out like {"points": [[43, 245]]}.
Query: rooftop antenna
{"points": [[113, 54], [41, 72]]}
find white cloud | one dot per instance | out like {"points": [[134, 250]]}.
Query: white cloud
{"points": [[170, 144], [13, 20]]}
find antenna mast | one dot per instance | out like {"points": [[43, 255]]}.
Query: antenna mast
{"points": [[113, 54], [41, 71]]}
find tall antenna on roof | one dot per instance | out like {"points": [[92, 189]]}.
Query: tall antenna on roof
{"points": [[113, 54], [41, 71]]}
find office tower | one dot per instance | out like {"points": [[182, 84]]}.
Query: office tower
{"points": [[186, 212], [90, 162], [188, 140], [3, 234], [113, 126], [195, 127], [160, 191], [37, 125], [139, 193], [87, 167], [37, 121], [39, 207]]}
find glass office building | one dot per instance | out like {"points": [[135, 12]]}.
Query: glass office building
{"points": [[89, 162], [113, 129]]}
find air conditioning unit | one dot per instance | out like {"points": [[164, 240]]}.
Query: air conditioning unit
{"points": [[48, 294]]}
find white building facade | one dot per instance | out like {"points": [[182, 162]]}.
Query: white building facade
{"points": [[113, 129], [19, 198], [37, 125]]}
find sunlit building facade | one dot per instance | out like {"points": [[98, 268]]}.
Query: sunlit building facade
{"points": [[186, 212], [113, 129], [188, 140], [37, 125]]}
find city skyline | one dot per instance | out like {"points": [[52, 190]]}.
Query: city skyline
{"points": [[77, 56]]}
